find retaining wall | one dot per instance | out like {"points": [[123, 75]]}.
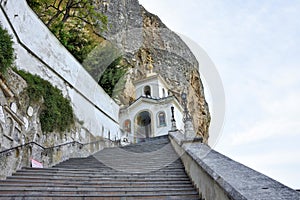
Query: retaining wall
{"points": [[39, 52], [217, 177]]}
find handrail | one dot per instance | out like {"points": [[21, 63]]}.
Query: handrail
{"points": [[20, 146], [46, 148]]}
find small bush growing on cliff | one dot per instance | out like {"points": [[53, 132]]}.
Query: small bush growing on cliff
{"points": [[111, 76], [6, 50], [57, 113]]}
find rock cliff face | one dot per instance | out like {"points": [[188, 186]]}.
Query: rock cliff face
{"points": [[141, 36]]}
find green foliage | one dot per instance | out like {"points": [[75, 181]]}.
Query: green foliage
{"points": [[75, 40], [6, 50], [111, 76], [101, 57], [74, 23], [77, 23], [34, 4], [57, 113]]}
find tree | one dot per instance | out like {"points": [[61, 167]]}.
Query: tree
{"points": [[61, 11], [6, 50], [74, 22], [112, 75]]}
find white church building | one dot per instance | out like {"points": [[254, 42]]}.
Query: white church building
{"points": [[150, 114]]}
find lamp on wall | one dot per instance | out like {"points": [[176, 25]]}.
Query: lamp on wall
{"points": [[173, 121]]}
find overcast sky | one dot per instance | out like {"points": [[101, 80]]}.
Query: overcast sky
{"points": [[255, 46]]}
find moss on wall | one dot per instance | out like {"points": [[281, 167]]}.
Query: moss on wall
{"points": [[56, 112]]}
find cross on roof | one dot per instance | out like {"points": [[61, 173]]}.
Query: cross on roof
{"points": [[150, 59]]}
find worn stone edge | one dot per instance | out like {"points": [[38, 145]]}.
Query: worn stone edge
{"points": [[229, 189]]}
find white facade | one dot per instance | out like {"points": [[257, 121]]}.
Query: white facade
{"points": [[150, 115], [158, 87]]}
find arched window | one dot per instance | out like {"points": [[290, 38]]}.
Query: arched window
{"points": [[164, 92], [105, 4], [127, 126], [162, 119], [147, 90]]}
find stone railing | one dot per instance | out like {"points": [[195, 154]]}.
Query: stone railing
{"points": [[217, 177]]}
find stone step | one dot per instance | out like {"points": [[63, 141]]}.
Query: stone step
{"points": [[99, 173], [70, 165], [131, 176], [106, 179], [123, 161], [96, 157], [97, 195], [190, 197], [181, 196], [110, 193], [162, 153], [104, 171], [146, 152], [89, 165], [108, 185], [82, 190], [66, 182], [99, 160], [161, 175], [132, 169], [126, 168]]}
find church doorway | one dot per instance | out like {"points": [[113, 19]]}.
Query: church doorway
{"points": [[143, 126]]}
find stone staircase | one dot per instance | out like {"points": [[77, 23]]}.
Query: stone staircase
{"points": [[147, 170]]}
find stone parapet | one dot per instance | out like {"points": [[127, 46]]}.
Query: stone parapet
{"points": [[219, 177]]}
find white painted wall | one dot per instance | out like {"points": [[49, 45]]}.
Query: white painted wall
{"points": [[141, 85], [39, 52], [156, 84], [153, 107]]}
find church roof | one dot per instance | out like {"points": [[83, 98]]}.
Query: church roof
{"points": [[154, 100], [149, 78]]}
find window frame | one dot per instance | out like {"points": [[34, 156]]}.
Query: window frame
{"points": [[159, 124]]}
